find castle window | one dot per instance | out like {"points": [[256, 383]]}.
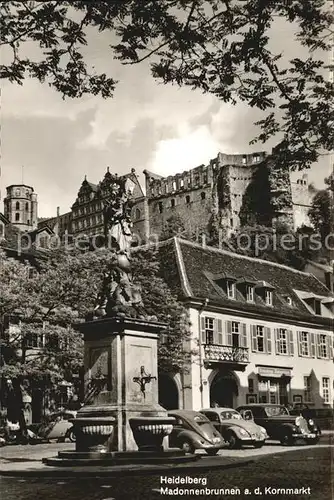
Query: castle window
{"points": [[174, 185], [27, 207], [205, 178], [196, 180], [231, 222], [17, 205], [161, 207], [17, 216], [181, 183], [166, 188], [187, 199], [244, 160], [28, 221], [137, 214], [172, 203], [203, 195]]}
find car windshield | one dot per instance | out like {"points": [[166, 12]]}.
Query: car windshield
{"points": [[201, 419], [273, 411], [227, 415]]}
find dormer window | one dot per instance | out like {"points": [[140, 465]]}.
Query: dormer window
{"points": [[289, 300], [317, 306], [268, 294], [230, 288], [249, 293]]}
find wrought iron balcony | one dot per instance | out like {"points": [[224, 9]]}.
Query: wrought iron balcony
{"points": [[225, 354]]}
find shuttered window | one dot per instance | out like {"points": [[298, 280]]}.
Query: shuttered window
{"points": [[211, 330], [303, 339], [284, 341], [323, 345]]}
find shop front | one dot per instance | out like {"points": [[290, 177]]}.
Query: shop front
{"points": [[274, 384]]}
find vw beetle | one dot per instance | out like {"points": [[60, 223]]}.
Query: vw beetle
{"points": [[234, 429], [194, 431]]}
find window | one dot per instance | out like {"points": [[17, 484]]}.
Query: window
{"points": [[172, 203], [230, 287], [205, 178], [209, 330], [250, 385], [187, 199], [317, 307], [268, 294], [307, 389], [196, 180], [260, 338], [174, 185], [304, 344], [282, 341], [1, 230], [17, 205], [166, 188], [235, 326], [27, 207], [322, 346], [181, 183], [34, 340], [244, 160], [17, 216], [325, 389], [203, 195], [249, 293], [161, 207]]}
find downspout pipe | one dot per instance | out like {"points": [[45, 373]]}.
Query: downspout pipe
{"points": [[200, 311]]}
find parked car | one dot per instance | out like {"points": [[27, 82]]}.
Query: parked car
{"points": [[234, 429], [55, 426], [279, 424], [194, 431]]}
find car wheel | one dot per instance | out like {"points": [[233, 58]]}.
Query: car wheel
{"points": [[233, 441], [212, 452], [287, 439], [71, 436], [187, 447], [259, 445]]}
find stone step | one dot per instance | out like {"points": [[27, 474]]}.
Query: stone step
{"points": [[77, 462]]}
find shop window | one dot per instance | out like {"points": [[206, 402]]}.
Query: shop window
{"points": [[307, 389], [325, 390]]}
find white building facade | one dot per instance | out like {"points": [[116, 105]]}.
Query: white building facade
{"points": [[260, 332]]}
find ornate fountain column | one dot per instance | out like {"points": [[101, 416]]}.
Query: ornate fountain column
{"points": [[120, 350]]}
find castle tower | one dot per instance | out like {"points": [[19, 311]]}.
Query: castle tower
{"points": [[20, 206]]}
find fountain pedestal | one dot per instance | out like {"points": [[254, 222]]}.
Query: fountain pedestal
{"points": [[121, 381]]}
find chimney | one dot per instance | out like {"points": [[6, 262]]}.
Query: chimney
{"points": [[329, 280], [58, 211]]}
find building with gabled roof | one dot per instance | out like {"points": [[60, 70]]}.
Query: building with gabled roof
{"points": [[261, 331]]}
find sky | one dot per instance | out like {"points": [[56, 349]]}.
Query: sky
{"points": [[51, 144]]}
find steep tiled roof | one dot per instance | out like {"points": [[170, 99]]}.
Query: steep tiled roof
{"points": [[203, 270]]}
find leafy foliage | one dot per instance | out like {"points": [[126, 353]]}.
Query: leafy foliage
{"points": [[280, 244], [321, 212], [217, 46]]}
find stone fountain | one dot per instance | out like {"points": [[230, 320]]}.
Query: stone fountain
{"points": [[122, 421]]}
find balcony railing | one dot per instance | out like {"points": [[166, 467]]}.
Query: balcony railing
{"points": [[226, 353]]}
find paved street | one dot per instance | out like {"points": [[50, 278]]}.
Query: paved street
{"points": [[274, 466]]}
